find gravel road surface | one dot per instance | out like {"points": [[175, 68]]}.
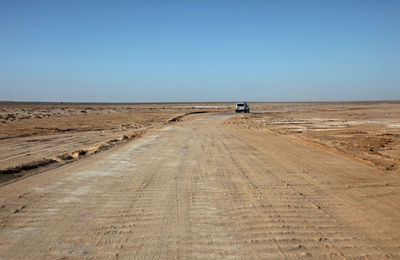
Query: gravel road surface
{"points": [[201, 189]]}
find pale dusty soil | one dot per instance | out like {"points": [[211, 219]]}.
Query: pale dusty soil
{"points": [[369, 131], [204, 189], [52, 134]]}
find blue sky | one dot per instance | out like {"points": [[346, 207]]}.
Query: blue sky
{"points": [[151, 51]]}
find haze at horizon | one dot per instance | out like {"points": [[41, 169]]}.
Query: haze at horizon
{"points": [[171, 51]]}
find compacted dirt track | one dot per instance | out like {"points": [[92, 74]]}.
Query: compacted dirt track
{"points": [[202, 189]]}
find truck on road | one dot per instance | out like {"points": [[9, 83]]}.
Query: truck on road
{"points": [[242, 107]]}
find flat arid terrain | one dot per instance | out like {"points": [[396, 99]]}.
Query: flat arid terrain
{"points": [[46, 135], [169, 181], [366, 130]]}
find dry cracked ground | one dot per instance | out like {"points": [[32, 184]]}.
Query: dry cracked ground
{"points": [[208, 187]]}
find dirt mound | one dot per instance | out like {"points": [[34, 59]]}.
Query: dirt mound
{"points": [[180, 117]]}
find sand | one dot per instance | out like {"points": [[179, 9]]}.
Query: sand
{"points": [[43, 135], [199, 188], [369, 131]]}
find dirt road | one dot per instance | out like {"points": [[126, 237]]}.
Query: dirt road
{"points": [[201, 189]]}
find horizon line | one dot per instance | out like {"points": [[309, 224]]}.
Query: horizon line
{"points": [[198, 102]]}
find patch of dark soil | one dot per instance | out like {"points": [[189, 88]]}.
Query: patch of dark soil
{"points": [[28, 166], [22, 170], [180, 117]]}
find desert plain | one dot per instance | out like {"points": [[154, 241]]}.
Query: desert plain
{"points": [[196, 180], [43, 135]]}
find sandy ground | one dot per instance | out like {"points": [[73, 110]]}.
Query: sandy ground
{"points": [[46, 135], [203, 188], [369, 131]]}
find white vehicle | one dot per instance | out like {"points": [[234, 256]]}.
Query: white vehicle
{"points": [[242, 107]]}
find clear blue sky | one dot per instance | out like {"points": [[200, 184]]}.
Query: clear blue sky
{"points": [[148, 51]]}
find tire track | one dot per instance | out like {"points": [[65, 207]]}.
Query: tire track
{"points": [[197, 190]]}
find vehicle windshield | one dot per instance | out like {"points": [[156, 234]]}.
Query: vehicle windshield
{"points": [[240, 105]]}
